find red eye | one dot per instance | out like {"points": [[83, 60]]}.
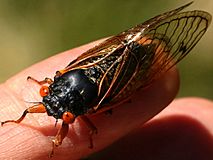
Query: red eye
{"points": [[68, 117], [44, 91]]}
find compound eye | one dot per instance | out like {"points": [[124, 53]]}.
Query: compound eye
{"points": [[44, 91], [68, 117]]}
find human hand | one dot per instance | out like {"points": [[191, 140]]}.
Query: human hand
{"points": [[29, 139]]}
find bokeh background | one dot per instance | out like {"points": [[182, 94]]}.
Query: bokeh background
{"points": [[32, 30]]}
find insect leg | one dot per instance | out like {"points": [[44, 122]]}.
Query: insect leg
{"points": [[46, 80], [62, 133], [91, 126], [39, 108]]}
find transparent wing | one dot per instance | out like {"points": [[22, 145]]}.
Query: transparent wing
{"points": [[173, 37], [115, 42], [95, 54]]}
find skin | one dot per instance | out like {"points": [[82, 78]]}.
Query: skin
{"points": [[183, 130]]}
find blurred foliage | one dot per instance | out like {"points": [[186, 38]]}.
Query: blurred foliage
{"points": [[36, 29]]}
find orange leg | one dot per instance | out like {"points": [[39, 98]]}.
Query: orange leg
{"points": [[39, 108], [46, 80], [91, 126], [62, 133]]}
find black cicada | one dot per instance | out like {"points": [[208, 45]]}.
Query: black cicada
{"points": [[112, 71]]}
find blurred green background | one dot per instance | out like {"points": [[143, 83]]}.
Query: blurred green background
{"points": [[32, 30]]}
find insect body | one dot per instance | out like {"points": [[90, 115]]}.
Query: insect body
{"points": [[112, 71]]}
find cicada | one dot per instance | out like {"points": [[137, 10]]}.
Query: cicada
{"points": [[112, 71]]}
